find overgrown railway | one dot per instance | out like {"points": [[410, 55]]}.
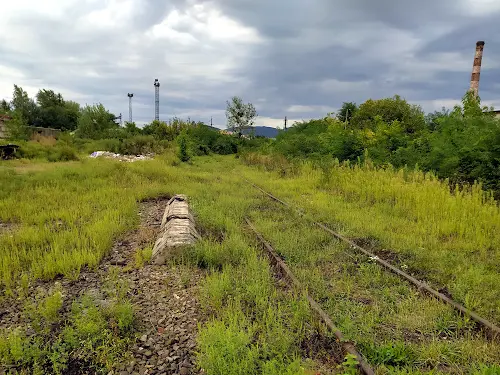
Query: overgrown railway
{"points": [[277, 262], [484, 330]]}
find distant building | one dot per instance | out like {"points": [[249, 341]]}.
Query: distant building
{"points": [[44, 132], [3, 127], [496, 113]]}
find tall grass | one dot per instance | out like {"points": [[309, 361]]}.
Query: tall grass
{"points": [[450, 238], [66, 217], [393, 325]]}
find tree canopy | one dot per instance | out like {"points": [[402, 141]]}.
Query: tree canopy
{"points": [[95, 122], [240, 116], [47, 110], [346, 112]]}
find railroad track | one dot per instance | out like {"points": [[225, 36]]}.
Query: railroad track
{"points": [[492, 329], [285, 270]]}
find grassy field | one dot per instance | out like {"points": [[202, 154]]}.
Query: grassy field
{"points": [[450, 240], [392, 324], [59, 217]]}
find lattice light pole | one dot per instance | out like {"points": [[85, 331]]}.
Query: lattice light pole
{"points": [[130, 96], [157, 99]]}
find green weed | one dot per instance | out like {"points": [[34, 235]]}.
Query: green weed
{"points": [[43, 312], [143, 256], [393, 354], [226, 346], [350, 365]]}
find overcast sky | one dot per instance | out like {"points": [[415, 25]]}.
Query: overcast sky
{"points": [[295, 58]]}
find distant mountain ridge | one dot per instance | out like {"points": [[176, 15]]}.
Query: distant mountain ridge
{"points": [[263, 131], [260, 131]]}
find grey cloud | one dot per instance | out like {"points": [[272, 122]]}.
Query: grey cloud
{"points": [[291, 71]]}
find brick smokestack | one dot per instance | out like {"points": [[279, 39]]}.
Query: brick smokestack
{"points": [[476, 68]]}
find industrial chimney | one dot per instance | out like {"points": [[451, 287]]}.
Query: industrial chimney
{"points": [[476, 68]]}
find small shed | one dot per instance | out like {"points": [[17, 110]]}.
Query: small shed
{"points": [[8, 151], [496, 113]]}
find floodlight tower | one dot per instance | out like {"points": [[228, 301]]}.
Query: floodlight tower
{"points": [[157, 99], [130, 96]]}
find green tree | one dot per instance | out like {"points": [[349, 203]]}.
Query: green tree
{"points": [[24, 106], [132, 129], [465, 148], [240, 116], [5, 106], [72, 114], [346, 112], [17, 128], [411, 117], [160, 130], [95, 122], [48, 98], [433, 119], [55, 112]]}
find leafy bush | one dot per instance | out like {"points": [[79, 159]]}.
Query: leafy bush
{"points": [[35, 150], [62, 153], [95, 122], [225, 145], [389, 110], [183, 152], [461, 145], [139, 144]]}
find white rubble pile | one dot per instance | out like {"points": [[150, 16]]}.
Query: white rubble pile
{"points": [[120, 157]]}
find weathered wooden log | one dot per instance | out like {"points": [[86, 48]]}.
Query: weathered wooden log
{"points": [[177, 229]]}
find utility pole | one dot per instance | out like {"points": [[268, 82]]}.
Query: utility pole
{"points": [[211, 124], [130, 96], [285, 122]]}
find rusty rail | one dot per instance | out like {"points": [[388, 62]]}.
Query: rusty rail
{"points": [[285, 270], [421, 286]]}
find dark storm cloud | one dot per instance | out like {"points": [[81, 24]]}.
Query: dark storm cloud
{"points": [[350, 57], [313, 55]]}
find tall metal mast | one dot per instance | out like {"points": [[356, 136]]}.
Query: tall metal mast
{"points": [[157, 99], [130, 96]]}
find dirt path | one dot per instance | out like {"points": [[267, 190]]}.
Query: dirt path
{"points": [[167, 309], [164, 298]]}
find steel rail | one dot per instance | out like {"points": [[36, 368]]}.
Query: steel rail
{"points": [[285, 270], [421, 286]]}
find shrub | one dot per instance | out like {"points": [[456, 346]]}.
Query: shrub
{"points": [[183, 152], [62, 153], [139, 144], [225, 145]]}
